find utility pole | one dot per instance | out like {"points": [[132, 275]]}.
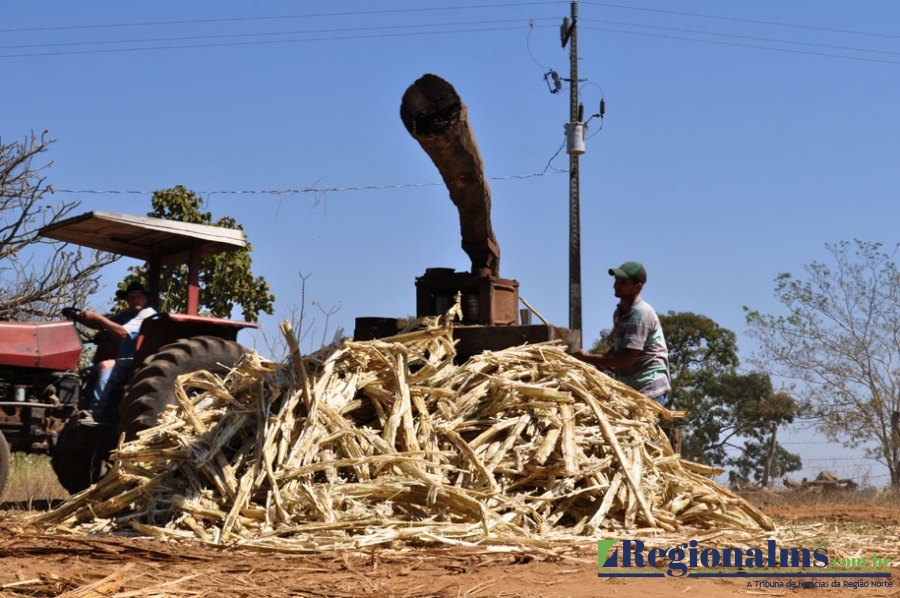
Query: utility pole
{"points": [[575, 147]]}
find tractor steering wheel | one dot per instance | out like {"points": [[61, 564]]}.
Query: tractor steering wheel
{"points": [[94, 337], [71, 313]]}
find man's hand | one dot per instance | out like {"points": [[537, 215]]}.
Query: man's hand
{"points": [[595, 360], [71, 313]]}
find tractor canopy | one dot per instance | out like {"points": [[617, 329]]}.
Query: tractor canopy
{"points": [[143, 237], [154, 240]]}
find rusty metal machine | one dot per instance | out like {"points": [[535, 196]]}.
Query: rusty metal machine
{"points": [[437, 118]]}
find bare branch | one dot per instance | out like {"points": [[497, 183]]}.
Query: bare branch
{"points": [[37, 276], [841, 340]]}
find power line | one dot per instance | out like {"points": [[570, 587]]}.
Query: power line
{"points": [[428, 25], [262, 34], [750, 37], [259, 43], [316, 190], [740, 45], [272, 18], [806, 442], [744, 20], [420, 33], [829, 459], [438, 9]]}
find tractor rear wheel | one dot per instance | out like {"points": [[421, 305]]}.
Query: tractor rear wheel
{"points": [[4, 465], [152, 387], [80, 454], [79, 466]]}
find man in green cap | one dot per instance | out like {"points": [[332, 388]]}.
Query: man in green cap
{"points": [[638, 356]]}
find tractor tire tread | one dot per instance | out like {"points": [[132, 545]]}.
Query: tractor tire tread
{"points": [[5, 465], [152, 386]]}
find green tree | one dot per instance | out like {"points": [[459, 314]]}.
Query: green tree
{"points": [[730, 416], [758, 464], [700, 352], [840, 339], [745, 407], [226, 279], [722, 404]]}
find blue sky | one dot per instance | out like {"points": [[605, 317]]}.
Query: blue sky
{"points": [[739, 138]]}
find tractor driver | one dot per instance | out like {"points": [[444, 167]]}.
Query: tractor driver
{"points": [[124, 327]]}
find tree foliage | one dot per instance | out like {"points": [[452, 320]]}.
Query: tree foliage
{"points": [[732, 417], [750, 464], [37, 276], [724, 406], [226, 279], [841, 340], [745, 407]]}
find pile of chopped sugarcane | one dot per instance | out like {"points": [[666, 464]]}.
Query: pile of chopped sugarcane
{"points": [[366, 443]]}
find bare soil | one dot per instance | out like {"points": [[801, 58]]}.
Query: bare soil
{"points": [[39, 564]]}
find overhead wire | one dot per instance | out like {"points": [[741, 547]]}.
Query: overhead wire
{"points": [[261, 34], [741, 45], [275, 17], [745, 20], [445, 8], [260, 42], [528, 44], [441, 32], [298, 190], [380, 33], [738, 36], [549, 166]]}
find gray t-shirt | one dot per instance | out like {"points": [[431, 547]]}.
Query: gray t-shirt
{"points": [[639, 328]]}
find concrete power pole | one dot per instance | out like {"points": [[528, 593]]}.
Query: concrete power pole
{"points": [[575, 147]]}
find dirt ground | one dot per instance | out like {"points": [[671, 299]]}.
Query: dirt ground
{"points": [[37, 564]]}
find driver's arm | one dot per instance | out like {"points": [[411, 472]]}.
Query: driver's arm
{"points": [[92, 319]]}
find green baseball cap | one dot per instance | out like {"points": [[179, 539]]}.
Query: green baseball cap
{"points": [[630, 271]]}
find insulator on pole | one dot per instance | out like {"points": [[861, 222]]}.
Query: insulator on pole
{"points": [[602, 107], [564, 31], [557, 83]]}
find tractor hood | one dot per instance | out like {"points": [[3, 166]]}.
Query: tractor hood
{"points": [[46, 345]]}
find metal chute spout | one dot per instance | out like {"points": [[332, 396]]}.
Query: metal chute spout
{"points": [[437, 118]]}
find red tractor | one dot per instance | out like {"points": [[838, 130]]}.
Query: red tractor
{"points": [[42, 394]]}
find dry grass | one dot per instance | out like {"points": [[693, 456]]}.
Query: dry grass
{"points": [[32, 482], [769, 500]]}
